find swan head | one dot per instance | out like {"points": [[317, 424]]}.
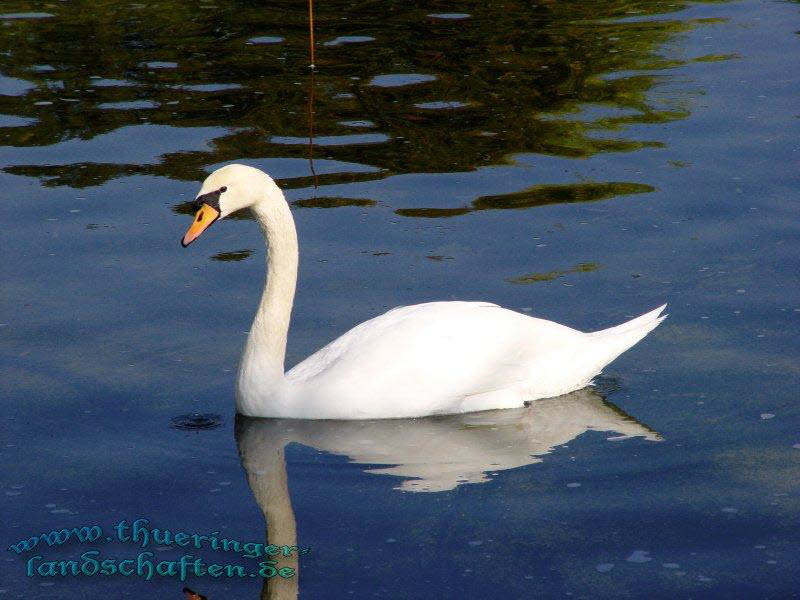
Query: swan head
{"points": [[227, 190]]}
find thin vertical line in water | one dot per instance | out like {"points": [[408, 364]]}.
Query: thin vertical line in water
{"points": [[311, 33], [311, 114]]}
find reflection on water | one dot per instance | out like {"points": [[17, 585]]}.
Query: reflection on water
{"points": [[538, 195], [437, 454], [333, 140], [433, 454], [265, 39], [25, 15], [235, 255], [596, 157], [265, 465], [349, 39], [551, 275], [466, 91]]}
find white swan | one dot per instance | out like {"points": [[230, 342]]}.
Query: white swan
{"points": [[413, 361]]}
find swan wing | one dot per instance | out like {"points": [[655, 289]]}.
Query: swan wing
{"points": [[439, 357]]}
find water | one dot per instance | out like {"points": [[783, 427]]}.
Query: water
{"points": [[583, 162]]}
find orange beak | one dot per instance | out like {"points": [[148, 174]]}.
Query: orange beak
{"points": [[202, 220]]}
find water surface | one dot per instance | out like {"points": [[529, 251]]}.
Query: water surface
{"points": [[582, 162]]}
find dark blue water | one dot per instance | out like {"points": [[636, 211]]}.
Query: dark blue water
{"points": [[583, 162]]}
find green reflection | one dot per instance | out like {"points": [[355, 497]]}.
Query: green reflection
{"points": [[322, 202], [538, 195], [551, 275], [501, 81]]}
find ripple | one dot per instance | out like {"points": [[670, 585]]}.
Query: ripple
{"points": [[332, 202], [293, 168], [357, 123], [333, 140], [639, 556], [132, 105], [13, 86], [538, 195], [131, 144], [112, 83], [591, 112], [234, 256], [349, 39], [587, 267], [26, 15], [15, 121], [441, 105], [196, 421], [159, 64], [400, 79], [211, 87], [266, 39], [450, 16], [432, 213]]}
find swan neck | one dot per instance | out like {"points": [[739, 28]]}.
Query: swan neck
{"points": [[266, 344]]}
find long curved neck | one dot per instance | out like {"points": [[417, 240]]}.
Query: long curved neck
{"points": [[264, 353]]}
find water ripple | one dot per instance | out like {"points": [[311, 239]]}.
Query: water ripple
{"points": [[400, 79]]}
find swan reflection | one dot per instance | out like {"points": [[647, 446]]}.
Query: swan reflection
{"points": [[431, 454], [436, 454]]}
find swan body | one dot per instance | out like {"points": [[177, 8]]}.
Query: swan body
{"points": [[413, 361]]}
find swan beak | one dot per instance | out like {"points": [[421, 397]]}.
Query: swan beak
{"points": [[202, 220]]}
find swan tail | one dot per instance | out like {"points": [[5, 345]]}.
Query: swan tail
{"points": [[616, 340]]}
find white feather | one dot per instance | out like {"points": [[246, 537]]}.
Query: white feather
{"points": [[451, 357], [413, 361]]}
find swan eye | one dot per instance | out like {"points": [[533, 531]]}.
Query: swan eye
{"points": [[211, 198]]}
